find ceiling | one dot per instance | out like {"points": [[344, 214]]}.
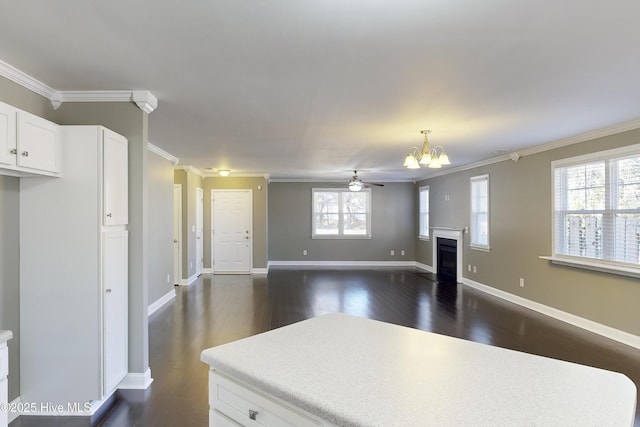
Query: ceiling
{"points": [[314, 89]]}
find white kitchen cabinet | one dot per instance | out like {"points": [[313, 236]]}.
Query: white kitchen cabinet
{"points": [[73, 271], [115, 164], [4, 370], [29, 145]]}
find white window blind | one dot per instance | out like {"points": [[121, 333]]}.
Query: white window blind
{"points": [[424, 213], [480, 212], [341, 214], [597, 206]]}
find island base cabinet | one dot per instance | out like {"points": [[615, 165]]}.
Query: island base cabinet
{"points": [[233, 403], [4, 369]]}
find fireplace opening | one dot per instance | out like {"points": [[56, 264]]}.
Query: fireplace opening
{"points": [[447, 259]]}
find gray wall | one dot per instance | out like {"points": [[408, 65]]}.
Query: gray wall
{"points": [[10, 275], [16, 95], [392, 225], [259, 206], [160, 175], [520, 215]]}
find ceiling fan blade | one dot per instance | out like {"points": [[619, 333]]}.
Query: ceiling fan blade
{"points": [[373, 183]]}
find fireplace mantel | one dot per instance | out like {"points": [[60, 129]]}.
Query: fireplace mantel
{"points": [[448, 233]]}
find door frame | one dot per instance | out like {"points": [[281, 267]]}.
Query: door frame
{"points": [[212, 237], [199, 230], [177, 275]]}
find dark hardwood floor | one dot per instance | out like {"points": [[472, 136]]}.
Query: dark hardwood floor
{"points": [[220, 309]]}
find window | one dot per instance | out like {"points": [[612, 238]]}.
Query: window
{"points": [[480, 212], [597, 206], [424, 213], [341, 214]]}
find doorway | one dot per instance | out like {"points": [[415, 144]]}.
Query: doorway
{"points": [[232, 232], [199, 230]]}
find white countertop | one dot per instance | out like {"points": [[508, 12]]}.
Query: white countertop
{"points": [[5, 336], [359, 372]]}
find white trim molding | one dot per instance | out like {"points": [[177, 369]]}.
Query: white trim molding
{"points": [[160, 302], [342, 263], [136, 381], [15, 403], [424, 267], [260, 271], [190, 280], [572, 319], [160, 152], [144, 99]]}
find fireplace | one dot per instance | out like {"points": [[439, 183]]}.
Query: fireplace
{"points": [[450, 260], [447, 258]]}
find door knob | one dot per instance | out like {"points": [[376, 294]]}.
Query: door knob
{"points": [[175, 240], [14, 151], [109, 215], [108, 290]]}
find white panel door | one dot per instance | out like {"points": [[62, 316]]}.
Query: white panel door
{"points": [[7, 134], [177, 233], [232, 232], [115, 181], [114, 289], [199, 230]]}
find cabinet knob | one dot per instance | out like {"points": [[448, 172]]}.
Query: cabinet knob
{"points": [[25, 153], [14, 151], [175, 240], [108, 290], [109, 215], [253, 414]]}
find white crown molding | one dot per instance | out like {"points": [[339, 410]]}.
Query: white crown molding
{"points": [[516, 155], [144, 99], [160, 152], [189, 168], [234, 175], [26, 81]]}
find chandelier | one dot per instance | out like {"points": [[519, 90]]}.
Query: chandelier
{"points": [[432, 157]]}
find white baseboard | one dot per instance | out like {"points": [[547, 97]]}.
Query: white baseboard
{"points": [[165, 299], [137, 381], [44, 409], [572, 319], [15, 403], [260, 271], [343, 263], [424, 267], [207, 270], [190, 280]]}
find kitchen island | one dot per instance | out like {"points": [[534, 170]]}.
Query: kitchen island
{"points": [[348, 371]]}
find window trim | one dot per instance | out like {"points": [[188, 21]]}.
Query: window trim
{"points": [[341, 235], [420, 212], [603, 265], [472, 244]]}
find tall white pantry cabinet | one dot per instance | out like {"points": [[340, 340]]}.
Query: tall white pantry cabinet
{"points": [[73, 273]]}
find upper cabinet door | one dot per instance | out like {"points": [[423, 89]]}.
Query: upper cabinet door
{"points": [[7, 134], [115, 179], [38, 143]]}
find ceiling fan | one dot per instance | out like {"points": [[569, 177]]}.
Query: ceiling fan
{"points": [[355, 184]]}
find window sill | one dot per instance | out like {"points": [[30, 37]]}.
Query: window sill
{"points": [[425, 238], [480, 248], [595, 266]]}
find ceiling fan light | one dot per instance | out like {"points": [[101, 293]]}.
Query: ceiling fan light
{"points": [[444, 159], [355, 185]]}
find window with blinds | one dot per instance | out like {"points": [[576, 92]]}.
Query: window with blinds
{"points": [[597, 206], [424, 213], [480, 212], [341, 214]]}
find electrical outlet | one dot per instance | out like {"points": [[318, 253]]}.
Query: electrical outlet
{"points": [[190, 264], [168, 278], [521, 282], [469, 268], [474, 269], [304, 252], [392, 252], [402, 252]]}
